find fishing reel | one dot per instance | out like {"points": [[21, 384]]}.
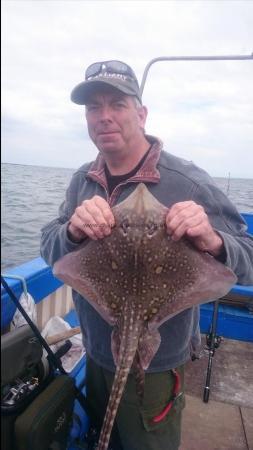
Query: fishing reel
{"points": [[214, 341], [19, 390]]}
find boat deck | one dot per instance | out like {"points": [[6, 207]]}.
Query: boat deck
{"points": [[226, 421]]}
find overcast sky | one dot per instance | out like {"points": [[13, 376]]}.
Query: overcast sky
{"points": [[203, 111]]}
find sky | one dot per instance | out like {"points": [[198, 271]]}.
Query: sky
{"points": [[202, 111]]}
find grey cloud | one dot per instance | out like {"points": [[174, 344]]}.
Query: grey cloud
{"points": [[46, 47]]}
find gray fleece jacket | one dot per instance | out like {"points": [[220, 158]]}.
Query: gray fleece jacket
{"points": [[170, 180]]}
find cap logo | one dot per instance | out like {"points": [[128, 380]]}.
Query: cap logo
{"points": [[109, 75]]}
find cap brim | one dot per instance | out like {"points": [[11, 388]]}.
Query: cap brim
{"points": [[82, 91]]}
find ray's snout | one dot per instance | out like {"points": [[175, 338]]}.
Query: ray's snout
{"points": [[142, 201], [139, 201]]}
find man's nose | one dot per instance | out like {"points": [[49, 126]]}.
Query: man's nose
{"points": [[105, 114]]}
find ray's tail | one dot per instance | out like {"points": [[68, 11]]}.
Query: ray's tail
{"points": [[128, 347]]}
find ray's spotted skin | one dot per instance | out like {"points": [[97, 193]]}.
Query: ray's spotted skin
{"points": [[137, 278]]}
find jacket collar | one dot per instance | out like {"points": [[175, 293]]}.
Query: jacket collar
{"points": [[147, 173]]}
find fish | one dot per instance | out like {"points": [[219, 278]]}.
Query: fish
{"points": [[136, 279]]}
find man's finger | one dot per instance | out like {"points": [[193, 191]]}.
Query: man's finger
{"points": [[105, 210]]}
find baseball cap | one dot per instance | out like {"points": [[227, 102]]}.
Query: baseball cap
{"points": [[114, 73]]}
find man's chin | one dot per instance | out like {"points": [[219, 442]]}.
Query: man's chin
{"points": [[108, 148], [108, 145]]}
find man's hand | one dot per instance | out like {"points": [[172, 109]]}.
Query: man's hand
{"points": [[93, 219], [189, 219]]}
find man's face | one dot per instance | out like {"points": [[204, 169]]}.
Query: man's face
{"points": [[114, 121]]}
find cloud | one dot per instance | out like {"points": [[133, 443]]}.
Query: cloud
{"points": [[203, 111]]}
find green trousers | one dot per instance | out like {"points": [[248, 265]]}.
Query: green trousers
{"points": [[134, 427]]}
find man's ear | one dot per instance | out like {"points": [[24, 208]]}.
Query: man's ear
{"points": [[142, 112]]}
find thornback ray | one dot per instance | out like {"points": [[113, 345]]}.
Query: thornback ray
{"points": [[137, 278]]}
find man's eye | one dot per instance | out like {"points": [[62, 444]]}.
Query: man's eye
{"points": [[92, 107], [119, 104]]}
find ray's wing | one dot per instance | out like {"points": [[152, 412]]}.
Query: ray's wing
{"points": [[99, 271], [186, 277]]}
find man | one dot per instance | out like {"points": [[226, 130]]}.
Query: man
{"points": [[197, 209]]}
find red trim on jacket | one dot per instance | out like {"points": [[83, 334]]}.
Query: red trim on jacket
{"points": [[147, 173]]}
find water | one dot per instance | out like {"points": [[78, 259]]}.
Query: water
{"points": [[31, 196]]}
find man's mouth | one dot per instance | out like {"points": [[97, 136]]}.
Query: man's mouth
{"points": [[107, 132]]}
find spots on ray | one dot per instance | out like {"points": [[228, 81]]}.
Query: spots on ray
{"points": [[158, 269]]}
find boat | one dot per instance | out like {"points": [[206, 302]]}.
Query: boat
{"points": [[53, 298]]}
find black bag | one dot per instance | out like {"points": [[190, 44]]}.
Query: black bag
{"points": [[46, 422], [37, 396], [36, 405], [21, 354], [23, 377]]}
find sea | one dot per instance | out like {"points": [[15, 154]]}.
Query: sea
{"points": [[31, 196]]}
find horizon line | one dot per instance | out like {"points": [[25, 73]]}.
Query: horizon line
{"points": [[228, 176]]}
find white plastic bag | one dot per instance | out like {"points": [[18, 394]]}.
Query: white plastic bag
{"points": [[57, 325], [28, 303]]}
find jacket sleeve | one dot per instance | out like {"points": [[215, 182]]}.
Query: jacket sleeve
{"points": [[226, 220], [55, 242]]}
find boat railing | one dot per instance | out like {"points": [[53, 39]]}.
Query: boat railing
{"points": [[191, 58], [51, 296]]}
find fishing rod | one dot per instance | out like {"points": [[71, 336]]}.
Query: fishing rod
{"points": [[191, 58]]}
